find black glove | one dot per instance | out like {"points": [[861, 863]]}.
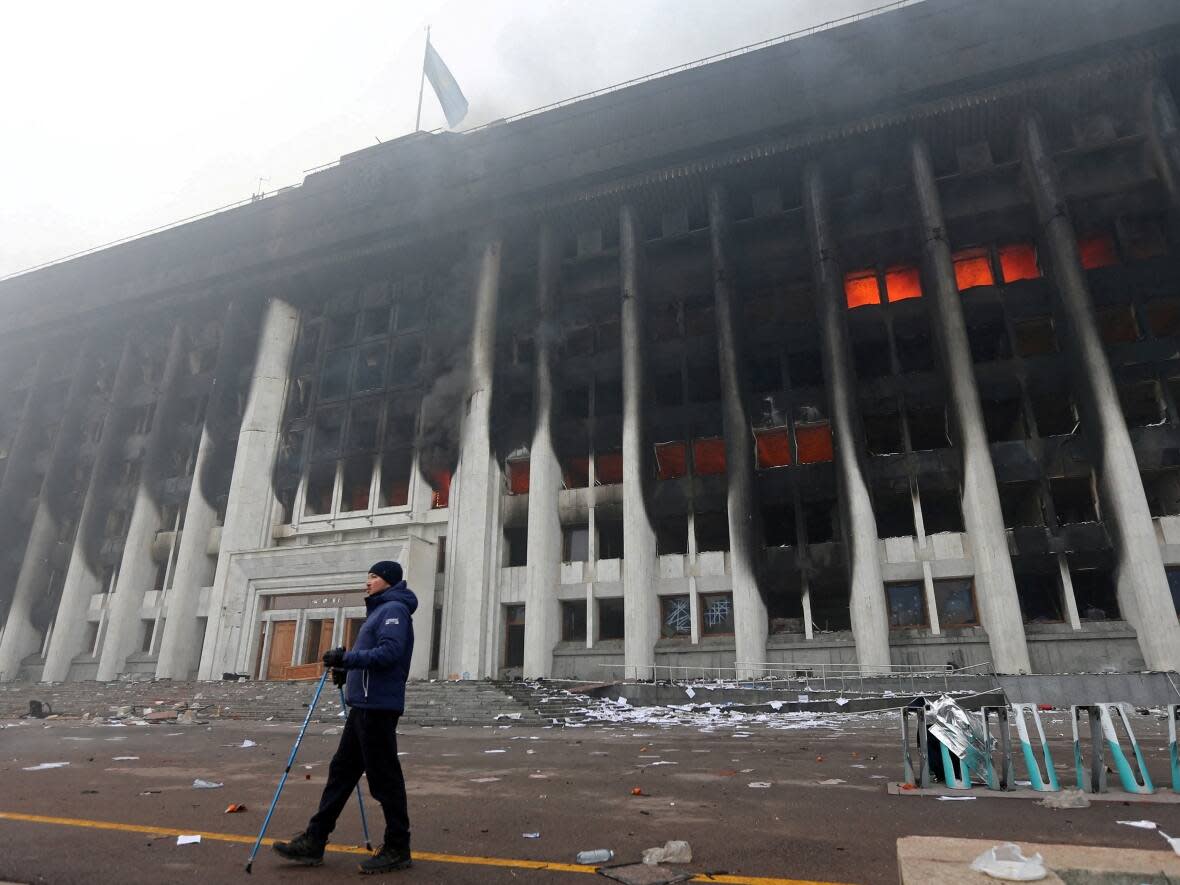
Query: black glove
{"points": [[334, 657], [339, 677]]}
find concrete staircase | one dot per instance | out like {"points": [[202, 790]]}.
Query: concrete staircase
{"points": [[427, 703], [553, 700]]}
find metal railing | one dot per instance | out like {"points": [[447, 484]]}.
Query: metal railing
{"points": [[814, 676]]}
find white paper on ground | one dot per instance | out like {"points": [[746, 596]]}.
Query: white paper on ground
{"points": [[247, 743], [531, 835], [688, 691], [187, 840], [1141, 824], [125, 758], [44, 765], [1006, 862], [956, 798], [832, 781], [776, 705], [483, 780], [1173, 841], [495, 751], [760, 785], [201, 784]]}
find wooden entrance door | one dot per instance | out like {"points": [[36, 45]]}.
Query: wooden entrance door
{"points": [[282, 646]]}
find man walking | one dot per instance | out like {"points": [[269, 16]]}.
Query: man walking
{"points": [[374, 674]]}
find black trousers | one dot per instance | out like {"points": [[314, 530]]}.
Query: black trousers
{"points": [[368, 746]]}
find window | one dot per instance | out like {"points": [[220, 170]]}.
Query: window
{"points": [[610, 538], [576, 402], [575, 472], [608, 398], [814, 442], [1054, 414], [1097, 250], [1163, 491], [1095, 594], [362, 426], [1035, 336], [370, 368], [883, 431], [1174, 584], [941, 511], [573, 621], [321, 483], [671, 460], [1073, 500], [672, 535], [903, 283], [1117, 325], [145, 636], [927, 428], [396, 469], [806, 369], [955, 600], [764, 375], [608, 468], [575, 543], [329, 428], [973, 268], [334, 374], [819, 522], [675, 616], [894, 512], [704, 382], [717, 614], [708, 456], [861, 288], [915, 349], [518, 476], [1163, 317], [1004, 420], [871, 357], [1020, 503], [779, 527], [1018, 261], [907, 604], [1040, 598], [669, 389], [610, 618], [516, 545], [772, 448], [712, 531], [988, 340], [358, 476], [1141, 403], [440, 483]]}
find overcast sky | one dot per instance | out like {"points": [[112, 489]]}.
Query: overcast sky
{"points": [[118, 117]]}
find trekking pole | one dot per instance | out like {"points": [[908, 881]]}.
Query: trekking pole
{"points": [[359, 799], [291, 761]]}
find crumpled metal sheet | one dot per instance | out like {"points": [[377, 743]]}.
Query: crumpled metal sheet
{"points": [[961, 732]]}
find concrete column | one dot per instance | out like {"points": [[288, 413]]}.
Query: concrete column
{"points": [[641, 613], [745, 535], [542, 624], [475, 493], [180, 645], [870, 620], [1143, 593], [251, 497], [23, 637], [137, 568], [995, 585], [82, 582], [1164, 135]]}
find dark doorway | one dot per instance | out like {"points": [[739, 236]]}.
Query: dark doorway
{"points": [[513, 636]]}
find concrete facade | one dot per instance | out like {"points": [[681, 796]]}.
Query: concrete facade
{"points": [[839, 361]]}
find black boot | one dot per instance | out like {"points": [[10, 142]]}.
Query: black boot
{"points": [[302, 849], [387, 860]]}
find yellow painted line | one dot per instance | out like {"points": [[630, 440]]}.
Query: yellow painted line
{"points": [[428, 856]]}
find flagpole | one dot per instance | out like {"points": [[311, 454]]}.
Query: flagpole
{"points": [[422, 83]]}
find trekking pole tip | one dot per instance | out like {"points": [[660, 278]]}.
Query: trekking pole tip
{"points": [[248, 865]]}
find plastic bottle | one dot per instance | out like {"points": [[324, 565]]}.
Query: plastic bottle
{"points": [[598, 855]]}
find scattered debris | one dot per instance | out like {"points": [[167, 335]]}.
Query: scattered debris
{"points": [[45, 765], [637, 791], [483, 780], [1066, 799], [595, 856], [234, 808], [760, 785], [957, 798], [201, 784], [161, 716], [1006, 862], [125, 758], [531, 835], [246, 744], [832, 781], [1141, 824], [188, 840], [673, 851], [150, 793], [1173, 841]]}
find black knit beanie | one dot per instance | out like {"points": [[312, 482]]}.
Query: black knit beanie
{"points": [[388, 570]]}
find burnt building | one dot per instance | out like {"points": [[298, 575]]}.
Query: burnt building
{"points": [[859, 347]]}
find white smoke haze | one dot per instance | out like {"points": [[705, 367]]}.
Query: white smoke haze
{"points": [[116, 118]]}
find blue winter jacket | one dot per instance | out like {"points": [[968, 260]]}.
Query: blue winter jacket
{"points": [[379, 662]]}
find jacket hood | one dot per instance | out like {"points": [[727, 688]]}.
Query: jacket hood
{"points": [[399, 592]]}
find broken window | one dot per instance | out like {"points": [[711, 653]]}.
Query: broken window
{"points": [[883, 434], [1035, 336], [1004, 420], [1020, 503], [321, 483], [927, 427], [608, 468], [1095, 594], [902, 283], [1073, 499], [396, 467], [573, 621], [672, 535], [819, 521], [362, 426], [955, 601], [610, 538], [1162, 488], [764, 374], [1141, 403], [516, 544], [610, 618], [370, 367], [575, 471], [861, 288], [329, 428], [575, 543], [973, 268], [1163, 317], [716, 614], [440, 485], [675, 616], [805, 368], [712, 531], [1040, 598], [1018, 261], [1117, 325], [334, 374], [894, 512], [778, 526], [518, 476], [671, 460], [941, 511], [907, 604], [813, 442], [988, 340], [708, 456], [915, 349], [357, 483], [1054, 414], [772, 447], [1097, 250]]}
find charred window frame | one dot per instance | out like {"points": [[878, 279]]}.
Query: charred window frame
{"points": [[1095, 593], [516, 545], [1073, 499], [610, 618], [1041, 599]]}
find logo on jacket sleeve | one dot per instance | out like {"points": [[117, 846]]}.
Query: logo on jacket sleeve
{"points": [[389, 621]]}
